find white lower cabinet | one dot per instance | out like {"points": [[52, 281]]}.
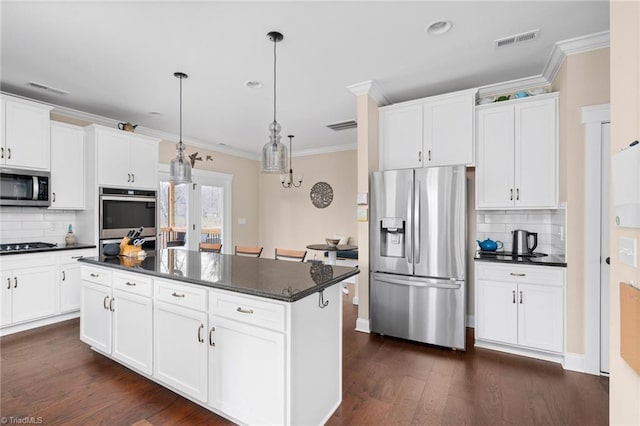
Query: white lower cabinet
{"points": [[247, 371], [520, 306], [69, 278], [95, 316], [132, 330], [180, 349]]}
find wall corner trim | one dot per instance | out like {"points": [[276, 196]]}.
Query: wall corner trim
{"points": [[370, 88], [471, 321], [362, 325], [564, 48]]}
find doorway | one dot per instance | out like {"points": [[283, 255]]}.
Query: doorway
{"points": [[605, 270], [196, 212]]}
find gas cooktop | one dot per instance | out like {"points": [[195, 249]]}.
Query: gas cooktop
{"points": [[25, 247]]}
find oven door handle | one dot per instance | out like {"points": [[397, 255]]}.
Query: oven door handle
{"points": [[125, 198]]}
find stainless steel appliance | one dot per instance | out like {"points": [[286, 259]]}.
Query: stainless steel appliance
{"points": [[24, 188], [124, 209], [25, 247], [522, 240], [417, 252]]}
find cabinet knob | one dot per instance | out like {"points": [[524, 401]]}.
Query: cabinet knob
{"points": [[521, 298], [419, 156], [128, 177], [518, 274], [94, 275], [130, 284], [510, 194], [1, 152], [429, 155], [517, 194], [177, 295]]}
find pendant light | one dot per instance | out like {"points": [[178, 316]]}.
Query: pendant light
{"points": [[180, 166], [274, 153], [287, 181]]}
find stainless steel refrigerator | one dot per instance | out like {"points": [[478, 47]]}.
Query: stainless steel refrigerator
{"points": [[417, 254]]}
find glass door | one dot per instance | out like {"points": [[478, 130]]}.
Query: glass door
{"points": [[197, 212]]}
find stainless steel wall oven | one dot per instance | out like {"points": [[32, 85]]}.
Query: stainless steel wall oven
{"points": [[124, 209]]}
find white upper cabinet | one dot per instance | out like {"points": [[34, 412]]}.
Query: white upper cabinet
{"points": [[125, 159], [67, 167], [517, 160], [25, 134], [435, 131]]}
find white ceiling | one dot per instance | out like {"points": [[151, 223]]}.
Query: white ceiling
{"points": [[117, 59]]}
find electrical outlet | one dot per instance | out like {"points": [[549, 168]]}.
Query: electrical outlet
{"points": [[628, 251], [242, 220]]}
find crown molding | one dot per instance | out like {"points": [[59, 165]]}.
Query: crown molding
{"points": [[325, 150], [371, 89], [572, 46], [513, 86]]}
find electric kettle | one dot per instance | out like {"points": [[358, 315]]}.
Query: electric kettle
{"points": [[521, 241]]}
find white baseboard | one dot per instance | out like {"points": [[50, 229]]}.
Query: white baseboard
{"points": [[355, 300], [517, 350], [362, 325], [574, 362], [38, 323], [471, 321]]}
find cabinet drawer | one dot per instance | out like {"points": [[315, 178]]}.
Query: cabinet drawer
{"points": [[521, 273], [133, 283], [252, 311], [181, 295], [96, 275], [72, 256]]}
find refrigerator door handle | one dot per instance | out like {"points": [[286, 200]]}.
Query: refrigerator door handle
{"points": [[416, 222], [426, 283], [408, 246]]}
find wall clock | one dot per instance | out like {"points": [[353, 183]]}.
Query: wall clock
{"points": [[321, 195]]}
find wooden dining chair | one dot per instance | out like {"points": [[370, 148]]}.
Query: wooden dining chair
{"points": [[292, 255], [211, 247], [247, 251]]}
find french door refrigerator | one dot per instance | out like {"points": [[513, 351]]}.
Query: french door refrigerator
{"points": [[417, 254]]}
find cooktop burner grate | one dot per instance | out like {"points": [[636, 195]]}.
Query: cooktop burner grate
{"points": [[20, 247]]}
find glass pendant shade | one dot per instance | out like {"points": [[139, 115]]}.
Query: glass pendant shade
{"points": [[180, 167]]}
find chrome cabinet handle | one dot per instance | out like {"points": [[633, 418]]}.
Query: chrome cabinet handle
{"points": [[64, 276], [517, 193], [510, 194], [244, 311], [128, 177], [54, 197], [518, 275], [521, 298], [1, 152], [513, 293], [211, 342], [111, 304], [130, 284], [8, 153], [429, 155], [8, 283], [199, 332], [177, 295], [77, 257], [15, 282], [419, 156], [104, 302], [133, 177], [94, 275]]}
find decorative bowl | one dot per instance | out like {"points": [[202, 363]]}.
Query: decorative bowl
{"points": [[332, 241]]}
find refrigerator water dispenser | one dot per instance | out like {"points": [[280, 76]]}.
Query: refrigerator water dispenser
{"points": [[392, 237]]}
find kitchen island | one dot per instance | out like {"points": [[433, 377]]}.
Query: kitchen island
{"points": [[258, 341]]}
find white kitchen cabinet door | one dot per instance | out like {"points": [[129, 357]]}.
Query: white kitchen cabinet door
{"points": [[536, 154], [33, 293], [70, 283], [247, 373], [497, 311], [114, 168], [180, 348], [95, 316], [495, 158], [132, 330], [5, 296], [401, 137], [540, 317], [448, 130], [26, 134], [67, 167], [144, 163]]}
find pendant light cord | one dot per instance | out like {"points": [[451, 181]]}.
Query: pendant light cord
{"points": [[180, 109], [275, 42]]}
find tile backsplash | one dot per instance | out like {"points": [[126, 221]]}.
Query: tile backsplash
{"points": [[26, 224], [549, 224]]}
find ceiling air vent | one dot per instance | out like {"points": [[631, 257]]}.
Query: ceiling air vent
{"points": [[517, 38], [344, 125], [47, 88]]}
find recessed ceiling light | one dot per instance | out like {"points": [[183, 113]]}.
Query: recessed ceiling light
{"points": [[222, 144], [438, 27], [252, 84]]}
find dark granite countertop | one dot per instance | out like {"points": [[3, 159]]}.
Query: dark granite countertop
{"points": [[61, 247], [505, 257], [272, 279]]}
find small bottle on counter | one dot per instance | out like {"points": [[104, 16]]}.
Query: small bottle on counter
{"points": [[70, 238]]}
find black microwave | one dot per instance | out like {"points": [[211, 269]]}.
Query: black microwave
{"points": [[20, 187]]}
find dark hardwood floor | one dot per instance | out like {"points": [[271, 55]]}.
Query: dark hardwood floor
{"points": [[49, 373]]}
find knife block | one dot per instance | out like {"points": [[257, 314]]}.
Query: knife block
{"points": [[129, 250]]}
